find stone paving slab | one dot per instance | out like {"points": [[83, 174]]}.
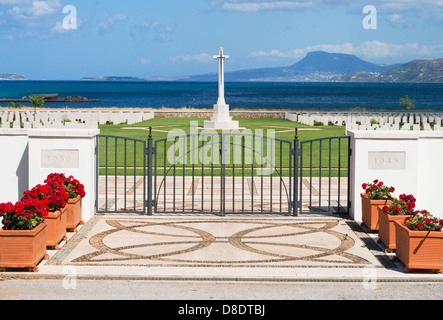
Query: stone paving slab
{"points": [[230, 248]]}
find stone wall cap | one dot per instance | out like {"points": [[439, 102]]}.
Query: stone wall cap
{"points": [[393, 134], [63, 133], [13, 132]]}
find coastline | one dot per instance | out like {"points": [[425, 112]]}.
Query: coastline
{"points": [[210, 110]]}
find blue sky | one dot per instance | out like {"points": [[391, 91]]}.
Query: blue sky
{"points": [[146, 38]]}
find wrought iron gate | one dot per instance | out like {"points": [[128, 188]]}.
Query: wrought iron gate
{"points": [[120, 175], [323, 175], [222, 173]]}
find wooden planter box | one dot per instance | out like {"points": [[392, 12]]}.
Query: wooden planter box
{"points": [[386, 232], [74, 214], [419, 249], [23, 248], [370, 211], [56, 228]]}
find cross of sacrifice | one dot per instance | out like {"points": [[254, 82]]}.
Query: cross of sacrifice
{"points": [[221, 77], [221, 119]]}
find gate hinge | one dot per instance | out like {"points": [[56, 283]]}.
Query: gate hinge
{"points": [[147, 150], [296, 152]]}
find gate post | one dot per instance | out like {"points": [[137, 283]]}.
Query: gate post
{"points": [[222, 176], [150, 153], [295, 183]]}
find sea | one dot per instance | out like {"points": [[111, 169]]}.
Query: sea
{"points": [[291, 96]]}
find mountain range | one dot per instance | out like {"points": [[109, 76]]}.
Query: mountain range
{"points": [[316, 66], [417, 71]]}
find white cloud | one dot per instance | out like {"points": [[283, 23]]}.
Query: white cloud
{"points": [[162, 33], [145, 60], [109, 21], [43, 8], [367, 50], [414, 9], [33, 17], [29, 9], [300, 53], [202, 57], [261, 6]]}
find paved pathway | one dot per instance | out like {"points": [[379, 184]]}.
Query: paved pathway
{"points": [[231, 248], [241, 247]]}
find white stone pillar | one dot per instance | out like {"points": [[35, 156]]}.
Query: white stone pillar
{"points": [[68, 151], [410, 161]]}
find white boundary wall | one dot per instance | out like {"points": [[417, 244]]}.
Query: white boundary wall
{"points": [[30, 155], [13, 164], [410, 161]]}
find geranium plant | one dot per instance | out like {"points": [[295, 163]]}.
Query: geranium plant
{"points": [[423, 221], [72, 186], [54, 197], [377, 190], [404, 205], [24, 215]]}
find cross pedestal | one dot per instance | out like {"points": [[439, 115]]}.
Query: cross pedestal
{"points": [[221, 119]]}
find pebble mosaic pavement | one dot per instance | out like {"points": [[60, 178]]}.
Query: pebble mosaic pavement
{"points": [[264, 241]]}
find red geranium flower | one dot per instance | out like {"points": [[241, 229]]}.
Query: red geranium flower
{"points": [[72, 186], [377, 190], [55, 196], [424, 221], [24, 215]]}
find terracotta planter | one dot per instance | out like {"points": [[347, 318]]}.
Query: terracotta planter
{"points": [[419, 249], [370, 211], [56, 228], [23, 248], [386, 232], [74, 214]]}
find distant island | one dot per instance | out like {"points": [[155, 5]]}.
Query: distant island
{"points": [[417, 71], [134, 79], [111, 78], [12, 76]]}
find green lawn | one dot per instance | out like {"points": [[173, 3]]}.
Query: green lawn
{"points": [[130, 154]]}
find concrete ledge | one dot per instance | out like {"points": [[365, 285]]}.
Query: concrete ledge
{"points": [[393, 135], [68, 133], [13, 132]]}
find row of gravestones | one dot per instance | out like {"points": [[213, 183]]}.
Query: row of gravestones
{"points": [[375, 121], [69, 119]]}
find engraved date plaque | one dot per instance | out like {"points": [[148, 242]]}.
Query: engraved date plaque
{"points": [[60, 159], [387, 160]]}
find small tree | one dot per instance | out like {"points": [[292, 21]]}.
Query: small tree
{"points": [[36, 101], [407, 103]]}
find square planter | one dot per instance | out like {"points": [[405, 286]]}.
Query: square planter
{"points": [[23, 248], [370, 211], [56, 228], [419, 249], [386, 232], [74, 214]]}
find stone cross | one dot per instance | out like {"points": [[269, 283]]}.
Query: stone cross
{"points": [[221, 118], [221, 77]]}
